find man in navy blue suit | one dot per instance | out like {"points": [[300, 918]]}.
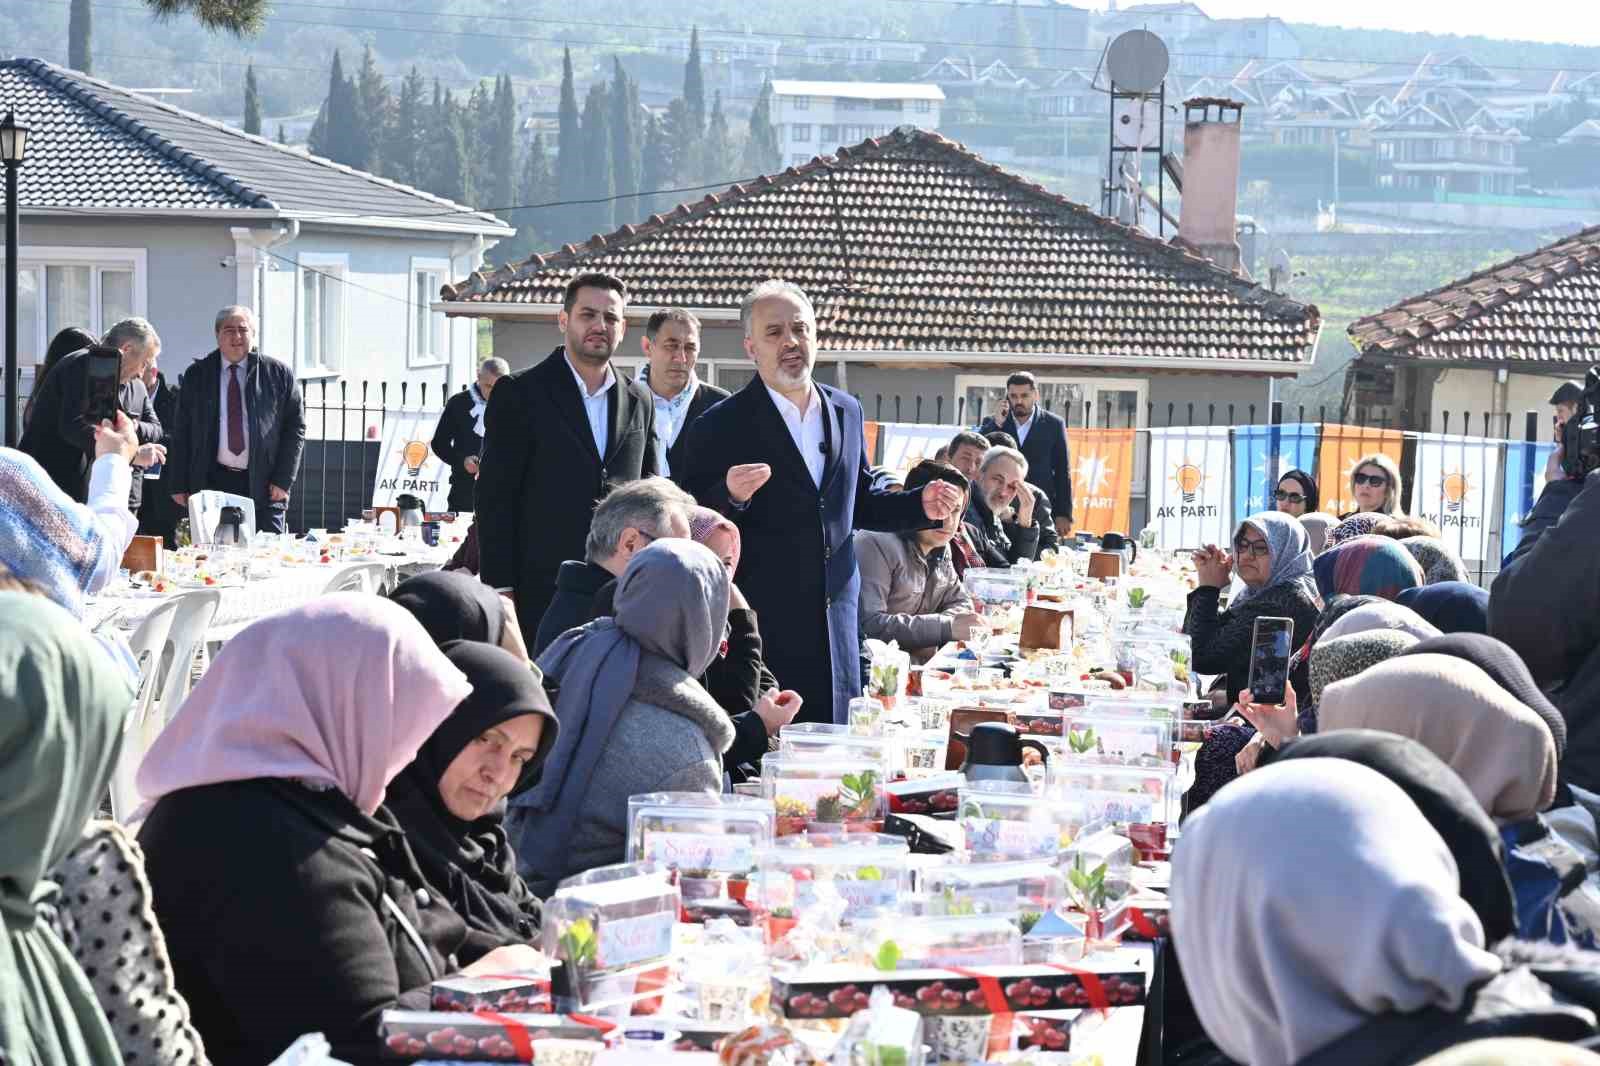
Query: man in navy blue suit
{"points": [[1042, 438], [784, 459]]}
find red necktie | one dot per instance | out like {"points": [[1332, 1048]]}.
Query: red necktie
{"points": [[235, 412]]}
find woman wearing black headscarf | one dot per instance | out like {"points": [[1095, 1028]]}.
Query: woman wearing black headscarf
{"points": [[451, 799], [452, 605]]}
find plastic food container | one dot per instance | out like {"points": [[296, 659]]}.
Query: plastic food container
{"points": [[933, 794], [1129, 739], [1007, 822], [807, 791], [611, 922], [869, 871], [824, 740], [994, 587], [1116, 794], [1021, 892], [699, 834], [907, 943]]}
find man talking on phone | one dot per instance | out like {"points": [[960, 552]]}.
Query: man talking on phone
{"points": [[61, 434]]}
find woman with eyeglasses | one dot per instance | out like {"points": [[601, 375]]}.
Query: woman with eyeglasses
{"points": [[1272, 557], [1375, 485], [1296, 493]]}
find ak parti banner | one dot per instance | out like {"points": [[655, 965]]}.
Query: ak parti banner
{"points": [[1342, 448], [1102, 479], [869, 430]]}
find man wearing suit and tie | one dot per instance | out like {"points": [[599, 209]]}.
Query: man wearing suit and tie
{"points": [[1043, 440], [555, 436], [784, 459]]}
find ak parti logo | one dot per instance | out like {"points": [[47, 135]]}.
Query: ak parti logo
{"points": [[1190, 479], [1454, 486], [414, 455]]}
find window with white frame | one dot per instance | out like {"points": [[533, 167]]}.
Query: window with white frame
{"points": [[58, 287], [430, 337], [924, 106], [800, 131], [322, 312], [829, 133], [802, 103]]}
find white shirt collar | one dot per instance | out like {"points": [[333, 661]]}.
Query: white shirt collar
{"points": [[1026, 421], [583, 388], [789, 408]]}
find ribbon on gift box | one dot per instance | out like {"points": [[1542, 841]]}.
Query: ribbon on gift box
{"points": [[1142, 924], [995, 999], [516, 1032], [592, 1022]]}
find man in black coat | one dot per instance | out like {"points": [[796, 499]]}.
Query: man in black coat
{"points": [[998, 490], [784, 459], [61, 436], [556, 435], [458, 440], [158, 514], [241, 427], [671, 343], [1043, 440]]}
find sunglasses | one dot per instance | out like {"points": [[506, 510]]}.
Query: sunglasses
{"points": [[1289, 497], [1377, 481], [1258, 548]]}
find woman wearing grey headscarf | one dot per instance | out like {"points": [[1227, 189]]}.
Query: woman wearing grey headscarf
{"points": [[633, 717]]}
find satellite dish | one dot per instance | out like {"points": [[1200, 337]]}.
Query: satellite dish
{"points": [[1136, 122], [1136, 62]]}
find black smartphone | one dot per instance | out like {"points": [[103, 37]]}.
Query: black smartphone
{"points": [[1270, 646], [102, 381]]}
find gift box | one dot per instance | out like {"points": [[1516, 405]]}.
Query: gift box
{"points": [[508, 994], [1043, 1030], [929, 795], [483, 1037], [1141, 920], [1115, 979]]}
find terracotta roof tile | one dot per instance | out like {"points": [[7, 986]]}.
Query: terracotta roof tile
{"points": [[1543, 306], [912, 243]]}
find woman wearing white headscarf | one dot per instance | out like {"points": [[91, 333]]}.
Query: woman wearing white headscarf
{"points": [[1319, 919]]}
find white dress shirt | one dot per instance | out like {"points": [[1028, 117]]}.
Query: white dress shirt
{"points": [[671, 416], [596, 406], [1023, 427], [110, 479], [233, 460], [806, 430]]}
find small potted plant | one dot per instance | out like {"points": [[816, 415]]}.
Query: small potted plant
{"points": [[1089, 892]]}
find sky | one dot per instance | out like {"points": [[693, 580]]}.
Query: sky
{"points": [[1560, 21]]}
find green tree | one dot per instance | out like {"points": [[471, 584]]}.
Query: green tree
{"points": [[626, 143], [452, 169], [716, 150], [694, 85], [283, 136], [536, 186], [252, 102], [1016, 41], [403, 137], [80, 24], [242, 18], [656, 170], [478, 121], [761, 152], [503, 157], [375, 112], [598, 177], [339, 132], [569, 144]]}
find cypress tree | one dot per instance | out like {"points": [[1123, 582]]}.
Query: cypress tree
{"points": [[503, 158], [536, 186], [403, 142], [477, 123], [453, 171], [80, 24], [657, 169], [716, 151], [569, 145], [375, 111], [597, 170], [283, 136], [339, 133], [761, 152], [626, 146], [317, 139], [252, 102], [694, 86]]}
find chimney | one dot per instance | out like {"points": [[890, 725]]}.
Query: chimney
{"points": [[1207, 220]]}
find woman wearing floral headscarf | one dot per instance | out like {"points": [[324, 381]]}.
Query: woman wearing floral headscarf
{"points": [[1274, 562]]}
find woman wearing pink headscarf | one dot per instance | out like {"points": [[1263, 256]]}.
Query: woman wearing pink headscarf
{"points": [[289, 897]]}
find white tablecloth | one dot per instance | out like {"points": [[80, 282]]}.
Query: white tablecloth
{"points": [[287, 586]]}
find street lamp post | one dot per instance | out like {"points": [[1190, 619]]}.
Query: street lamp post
{"points": [[13, 150]]}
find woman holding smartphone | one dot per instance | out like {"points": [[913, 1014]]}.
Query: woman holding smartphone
{"points": [[1272, 556]]}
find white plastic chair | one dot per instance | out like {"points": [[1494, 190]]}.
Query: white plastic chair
{"points": [[139, 731], [189, 625], [205, 511], [364, 577]]}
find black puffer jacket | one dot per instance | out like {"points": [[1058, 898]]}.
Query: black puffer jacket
{"points": [[1221, 639]]}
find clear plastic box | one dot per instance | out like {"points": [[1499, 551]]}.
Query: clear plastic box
{"points": [[697, 833], [1021, 892], [824, 740], [1007, 822], [1118, 739], [870, 871], [811, 791], [1116, 794], [609, 925], [914, 943]]}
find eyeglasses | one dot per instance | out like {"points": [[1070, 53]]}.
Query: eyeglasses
{"points": [[1377, 481], [1258, 548], [1288, 497]]}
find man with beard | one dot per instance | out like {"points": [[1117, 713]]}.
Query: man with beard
{"points": [[671, 343], [784, 459], [556, 436], [999, 487], [1042, 439]]}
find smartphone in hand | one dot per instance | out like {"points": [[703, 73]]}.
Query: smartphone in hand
{"points": [[102, 382], [1270, 644]]}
